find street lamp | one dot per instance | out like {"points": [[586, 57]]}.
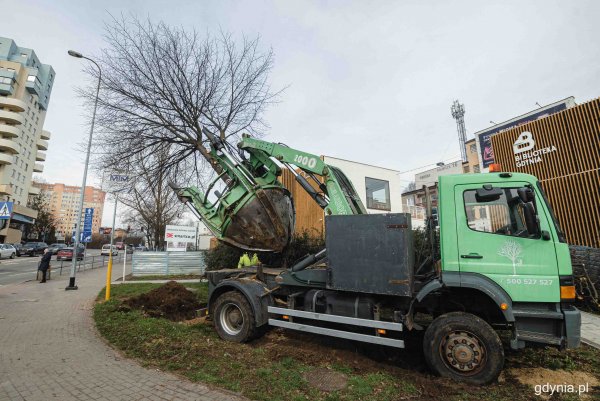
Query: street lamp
{"points": [[72, 285]]}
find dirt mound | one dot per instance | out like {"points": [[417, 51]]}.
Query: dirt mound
{"points": [[171, 301]]}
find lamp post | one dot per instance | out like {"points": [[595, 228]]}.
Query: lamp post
{"points": [[72, 285]]}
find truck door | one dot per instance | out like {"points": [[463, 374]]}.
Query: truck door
{"points": [[493, 240]]}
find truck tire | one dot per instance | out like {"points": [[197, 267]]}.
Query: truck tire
{"points": [[234, 318], [463, 347]]}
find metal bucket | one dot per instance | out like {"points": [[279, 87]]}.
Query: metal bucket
{"points": [[263, 221]]}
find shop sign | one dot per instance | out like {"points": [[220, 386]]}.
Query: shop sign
{"points": [[525, 150]]}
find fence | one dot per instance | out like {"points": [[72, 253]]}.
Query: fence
{"points": [[88, 262], [167, 263]]}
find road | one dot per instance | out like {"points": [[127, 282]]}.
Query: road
{"points": [[24, 268]]}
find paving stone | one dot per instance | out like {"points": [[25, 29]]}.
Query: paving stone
{"points": [[51, 350], [590, 329]]}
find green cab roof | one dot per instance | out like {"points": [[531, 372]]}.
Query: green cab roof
{"points": [[483, 178]]}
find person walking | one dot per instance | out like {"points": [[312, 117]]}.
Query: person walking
{"points": [[45, 264]]}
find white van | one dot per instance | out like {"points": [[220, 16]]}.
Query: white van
{"points": [[106, 250]]}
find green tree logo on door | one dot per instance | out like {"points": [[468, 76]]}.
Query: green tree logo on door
{"points": [[512, 250]]}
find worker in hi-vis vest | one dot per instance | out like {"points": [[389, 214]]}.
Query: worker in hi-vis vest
{"points": [[245, 260]]}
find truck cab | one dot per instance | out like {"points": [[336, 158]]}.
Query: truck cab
{"points": [[498, 234]]}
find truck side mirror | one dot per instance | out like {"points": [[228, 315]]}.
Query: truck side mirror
{"points": [[525, 194], [488, 194], [531, 221]]}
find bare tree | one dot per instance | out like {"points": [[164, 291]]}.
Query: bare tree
{"points": [[410, 187], [162, 84], [151, 202]]}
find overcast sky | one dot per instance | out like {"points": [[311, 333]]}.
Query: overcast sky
{"points": [[369, 81]]}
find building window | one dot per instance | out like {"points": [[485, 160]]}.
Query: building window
{"points": [[378, 194], [473, 148], [476, 169], [31, 78]]}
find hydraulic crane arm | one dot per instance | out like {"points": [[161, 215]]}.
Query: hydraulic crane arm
{"points": [[337, 195], [254, 211]]}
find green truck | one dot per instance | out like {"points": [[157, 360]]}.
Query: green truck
{"points": [[501, 262]]}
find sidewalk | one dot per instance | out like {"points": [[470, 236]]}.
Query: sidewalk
{"points": [[590, 329], [50, 350]]}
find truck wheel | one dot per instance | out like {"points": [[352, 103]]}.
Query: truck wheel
{"points": [[463, 347], [234, 318]]}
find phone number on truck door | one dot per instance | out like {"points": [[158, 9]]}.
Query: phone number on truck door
{"points": [[529, 281]]}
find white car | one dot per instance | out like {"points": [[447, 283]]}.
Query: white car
{"points": [[7, 251], [106, 250]]}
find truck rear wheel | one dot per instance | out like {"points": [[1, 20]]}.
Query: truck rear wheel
{"points": [[463, 347], [234, 318]]}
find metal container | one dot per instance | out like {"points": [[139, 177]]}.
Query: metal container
{"points": [[370, 253]]}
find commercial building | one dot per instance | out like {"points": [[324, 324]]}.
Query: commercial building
{"points": [[63, 203], [379, 189], [25, 88], [430, 177], [563, 152], [483, 137]]}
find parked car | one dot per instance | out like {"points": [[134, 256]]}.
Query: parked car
{"points": [[129, 249], [7, 251], [33, 248], [120, 245], [140, 248], [67, 253], [54, 248], [106, 250], [18, 248]]}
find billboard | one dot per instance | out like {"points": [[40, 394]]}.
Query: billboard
{"points": [[483, 138], [180, 234]]}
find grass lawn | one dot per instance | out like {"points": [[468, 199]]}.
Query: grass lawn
{"points": [[279, 365]]}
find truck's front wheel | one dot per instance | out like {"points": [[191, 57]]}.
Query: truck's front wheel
{"points": [[234, 318], [463, 347]]}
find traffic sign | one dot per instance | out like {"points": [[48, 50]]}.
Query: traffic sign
{"points": [[87, 219], [5, 210], [85, 236]]}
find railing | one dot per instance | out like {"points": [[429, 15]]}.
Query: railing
{"points": [[91, 262]]}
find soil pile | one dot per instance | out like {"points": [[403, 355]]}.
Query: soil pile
{"points": [[171, 301]]}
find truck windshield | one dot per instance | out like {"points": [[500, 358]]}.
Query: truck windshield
{"points": [[559, 231]]}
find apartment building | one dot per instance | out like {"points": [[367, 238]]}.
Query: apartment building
{"points": [[63, 202], [25, 88], [472, 163]]}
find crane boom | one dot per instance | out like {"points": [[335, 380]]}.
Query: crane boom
{"points": [[255, 211]]}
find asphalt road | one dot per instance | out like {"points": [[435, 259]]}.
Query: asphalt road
{"points": [[24, 268]]}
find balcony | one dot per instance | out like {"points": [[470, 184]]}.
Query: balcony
{"points": [[11, 117], [9, 131], [42, 145], [5, 158], [34, 86], [40, 156], [34, 190], [7, 81], [46, 135], [5, 189], [9, 146], [38, 168], [12, 104]]}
